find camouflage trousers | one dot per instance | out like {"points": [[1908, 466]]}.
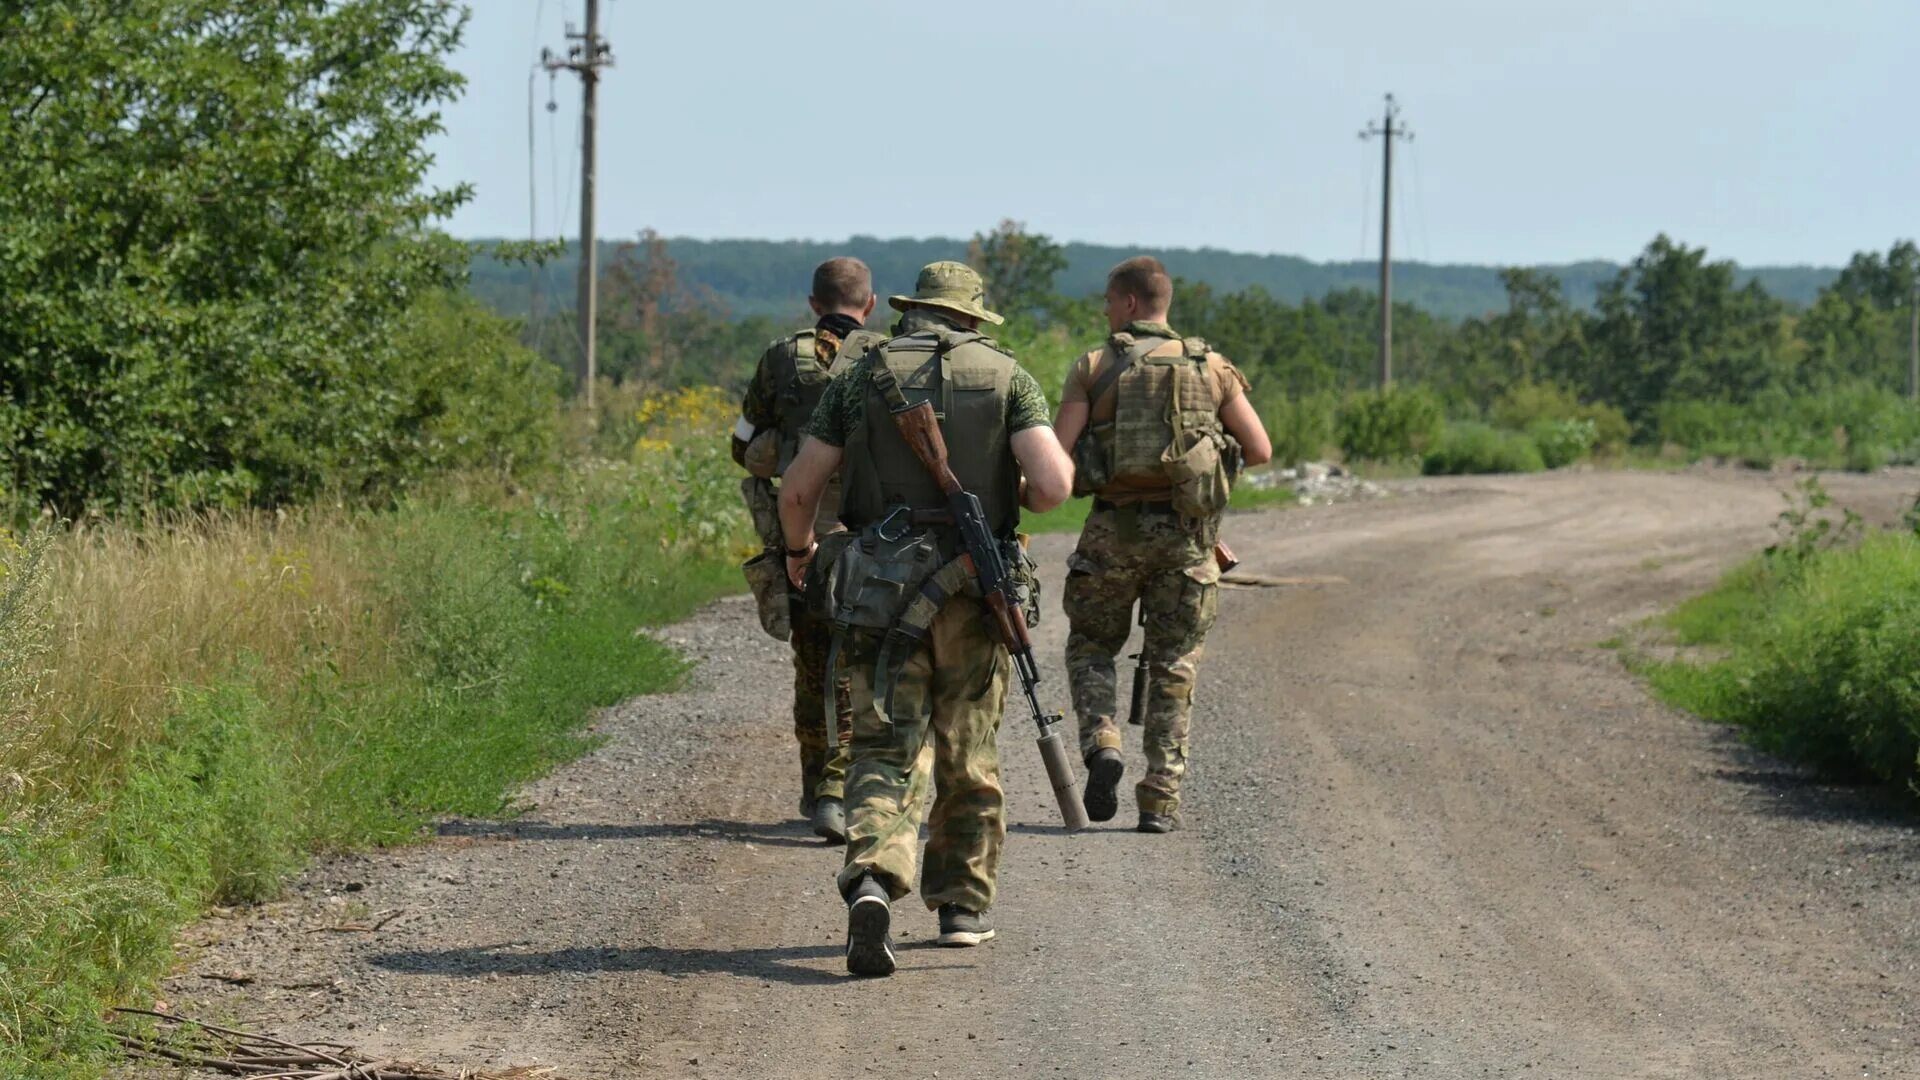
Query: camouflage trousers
{"points": [[947, 700], [823, 770], [1127, 557]]}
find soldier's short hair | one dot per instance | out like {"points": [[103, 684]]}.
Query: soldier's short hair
{"points": [[1143, 278], [842, 282]]}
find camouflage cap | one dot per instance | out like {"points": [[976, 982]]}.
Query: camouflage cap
{"points": [[954, 286]]}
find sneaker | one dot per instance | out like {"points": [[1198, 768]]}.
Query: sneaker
{"points": [[830, 820], [1102, 797], [1157, 823], [960, 928], [869, 915]]}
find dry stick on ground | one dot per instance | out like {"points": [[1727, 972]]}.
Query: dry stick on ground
{"points": [[263, 1057]]}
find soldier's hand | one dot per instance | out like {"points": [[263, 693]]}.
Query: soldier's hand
{"points": [[797, 564]]}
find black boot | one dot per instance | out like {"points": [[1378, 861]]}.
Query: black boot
{"points": [[1157, 823], [830, 820], [1102, 797]]}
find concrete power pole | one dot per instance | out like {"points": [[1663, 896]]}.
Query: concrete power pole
{"points": [[1387, 132], [585, 57], [1913, 343]]}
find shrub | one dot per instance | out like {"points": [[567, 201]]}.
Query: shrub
{"points": [[1526, 405], [1301, 427], [1473, 447], [1562, 442], [1388, 425], [1824, 670]]}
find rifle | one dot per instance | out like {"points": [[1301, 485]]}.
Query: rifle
{"points": [[1224, 557], [988, 565]]}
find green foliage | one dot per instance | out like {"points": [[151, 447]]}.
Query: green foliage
{"points": [[1302, 427], [1818, 665], [1806, 529], [513, 617], [1562, 442], [1524, 406], [1470, 447], [1851, 425], [1019, 268], [216, 232], [1391, 425]]}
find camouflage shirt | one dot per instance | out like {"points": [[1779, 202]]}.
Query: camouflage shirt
{"points": [[761, 404], [841, 409]]}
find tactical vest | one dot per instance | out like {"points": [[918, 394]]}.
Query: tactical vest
{"points": [[799, 378], [967, 378], [1157, 399]]}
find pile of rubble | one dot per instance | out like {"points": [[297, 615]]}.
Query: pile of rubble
{"points": [[1317, 482]]}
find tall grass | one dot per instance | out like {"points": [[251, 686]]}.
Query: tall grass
{"points": [[193, 706], [1814, 649]]}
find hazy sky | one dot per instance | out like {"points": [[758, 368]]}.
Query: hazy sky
{"points": [[1771, 131]]}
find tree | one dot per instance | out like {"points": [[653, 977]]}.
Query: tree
{"points": [[1019, 267], [214, 224], [1672, 325]]}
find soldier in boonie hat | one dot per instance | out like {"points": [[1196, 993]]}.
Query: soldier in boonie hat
{"points": [[953, 286]]}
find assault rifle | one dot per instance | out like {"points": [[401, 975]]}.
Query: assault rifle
{"points": [[988, 564]]}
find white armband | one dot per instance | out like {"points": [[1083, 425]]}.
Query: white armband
{"points": [[743, 429]]}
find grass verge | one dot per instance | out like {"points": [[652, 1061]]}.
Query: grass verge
{"points": [[1817, 658], [195, 707]]}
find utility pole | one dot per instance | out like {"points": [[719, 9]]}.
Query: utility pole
{"points": [[585, 57], [1913, 343], [1387, 132]]}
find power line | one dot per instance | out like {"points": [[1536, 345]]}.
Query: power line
{"points": [[1420, 200]]}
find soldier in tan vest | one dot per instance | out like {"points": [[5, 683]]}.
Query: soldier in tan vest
{"points": [[942, 686], [1156, 422], [787, 383]]}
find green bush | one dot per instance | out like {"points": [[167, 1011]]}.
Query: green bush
{"points": [[1527, 405], [1821, 665], [1858, 426], [1301, 427], [222, 285], [1473, 447], [1562, 442], [1391, 425]]}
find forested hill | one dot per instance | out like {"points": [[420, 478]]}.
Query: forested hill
{"points": [[769, 277]]}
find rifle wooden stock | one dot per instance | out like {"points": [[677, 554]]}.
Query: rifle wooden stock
{"points": [[1224, 556], [921, 429]]}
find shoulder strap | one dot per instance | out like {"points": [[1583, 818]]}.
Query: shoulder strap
{"points": [[889, 386], [1127, 350]]}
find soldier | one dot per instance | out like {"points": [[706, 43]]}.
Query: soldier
{"points": [[791, 376], [947, 681], [1147, 415]]}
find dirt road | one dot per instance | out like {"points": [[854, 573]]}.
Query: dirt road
{"points": [[1433, 830]]}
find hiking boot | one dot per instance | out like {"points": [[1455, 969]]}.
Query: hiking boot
{"points": [[830, 820], [1102, 797], [869, 915], [1156, 823], [960, 928], [806, 807]]}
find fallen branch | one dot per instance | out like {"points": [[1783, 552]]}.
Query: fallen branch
{"points": [[185, 1041]]}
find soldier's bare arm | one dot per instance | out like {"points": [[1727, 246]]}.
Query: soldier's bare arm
{"points": [[1071, 421], [801, 487], [1244, 424], [1047, 468]]}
